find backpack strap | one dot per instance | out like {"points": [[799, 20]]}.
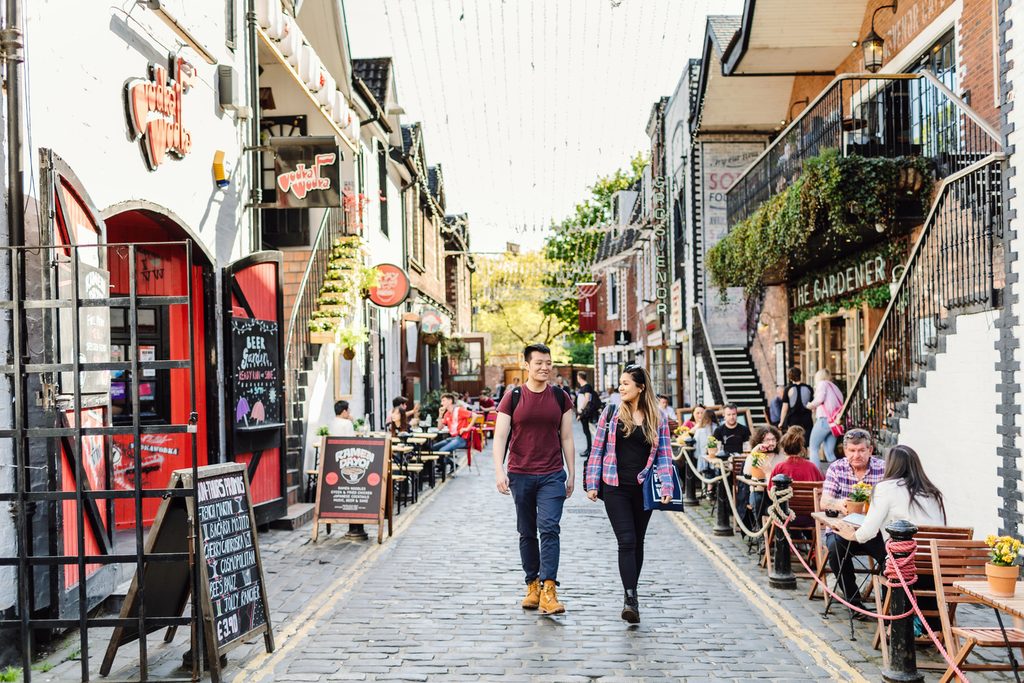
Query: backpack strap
{"points": [[514, 401], [560, 395]]}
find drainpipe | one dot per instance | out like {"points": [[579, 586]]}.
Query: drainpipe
{"points": [[255, 160]]}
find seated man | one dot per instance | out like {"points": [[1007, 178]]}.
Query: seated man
{"points": [[858, 465], [456, 419]]}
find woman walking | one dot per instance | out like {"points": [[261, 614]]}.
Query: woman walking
{"points": [[631, 439], [828, 401]]}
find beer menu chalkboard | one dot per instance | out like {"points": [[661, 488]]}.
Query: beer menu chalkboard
{"points": [[229, 548], [256, 375], [354, 479]]}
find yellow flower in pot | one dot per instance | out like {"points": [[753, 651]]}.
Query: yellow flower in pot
{"points": [[712, 447], [858, 499], [1002, 569], [757, 462]]}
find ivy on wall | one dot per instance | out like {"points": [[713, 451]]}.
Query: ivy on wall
{"points": [[834, 204], [876, 297]]}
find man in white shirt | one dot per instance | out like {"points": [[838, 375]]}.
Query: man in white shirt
{"points": [[342, 425]]}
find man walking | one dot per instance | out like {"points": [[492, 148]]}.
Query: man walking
{"points": [[587, 403], [535, 422]]}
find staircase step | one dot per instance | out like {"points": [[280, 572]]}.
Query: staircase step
{"points": [[294, 476], [293, 441], [307, 362], [293, 494], [298, 515]]}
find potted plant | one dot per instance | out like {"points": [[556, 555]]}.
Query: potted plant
{"points": [[712, 447], [858, 499], [349, 338], [323, 431], [367, 277], [455, 348], [682, 433], [757, 461], [331, 302], [322, 330], [1002, 568]]}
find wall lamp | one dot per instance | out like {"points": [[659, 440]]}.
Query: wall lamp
{"points": [[873, 43]]}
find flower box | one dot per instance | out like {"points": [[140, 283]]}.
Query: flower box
{"points": [[332, 308], [322, 337]]}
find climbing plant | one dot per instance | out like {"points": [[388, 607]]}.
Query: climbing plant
{"points": [[834, 204]]}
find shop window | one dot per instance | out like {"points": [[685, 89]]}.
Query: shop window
{"points": [[935, 125], [154, 385], [281, 227]]}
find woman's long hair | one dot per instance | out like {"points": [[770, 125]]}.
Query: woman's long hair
{"points": [[761, 432], [647, 404], [904, 464], [792, 442]]}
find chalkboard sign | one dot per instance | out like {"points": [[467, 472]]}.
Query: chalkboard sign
{"points": [[256, 374], [354, 482], [233, 600]]}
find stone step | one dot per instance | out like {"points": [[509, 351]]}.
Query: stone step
{"points": [[294, 477], [293, 494], [298, 515]]}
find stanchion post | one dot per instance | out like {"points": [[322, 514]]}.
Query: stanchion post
{"points": [[902, 647], [780, 574], [723, 512], [689, 478]]}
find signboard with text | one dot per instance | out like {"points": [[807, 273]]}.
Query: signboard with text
{"points": [[353, 482], [392, 286], [307, 172], [256, 375]]}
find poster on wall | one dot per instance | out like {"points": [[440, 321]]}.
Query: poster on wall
{"points": [[722, 163], [256, 374]]}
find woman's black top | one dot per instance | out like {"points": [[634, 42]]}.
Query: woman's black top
{"points": [[631, 453]]}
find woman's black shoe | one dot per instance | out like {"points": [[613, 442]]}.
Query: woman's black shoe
{"points": [[631, 608]]}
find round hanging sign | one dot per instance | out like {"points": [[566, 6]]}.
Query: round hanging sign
{"points": [[392, 286]]}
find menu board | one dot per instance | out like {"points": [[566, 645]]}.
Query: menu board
{"points": [[256, 374], [232, 563], [353, 481]]}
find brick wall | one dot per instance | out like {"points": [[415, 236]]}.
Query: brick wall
{"points": [[431, 280], [974, 58], [295, 261]]}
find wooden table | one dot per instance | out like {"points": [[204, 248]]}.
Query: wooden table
{"points": [[1013, 606], [826, 520]]}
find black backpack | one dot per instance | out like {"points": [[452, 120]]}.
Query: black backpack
{"points": [[594, 407], [517, 393]]}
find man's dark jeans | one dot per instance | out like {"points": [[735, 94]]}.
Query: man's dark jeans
{"points": [[539, 499], [840, 560]]}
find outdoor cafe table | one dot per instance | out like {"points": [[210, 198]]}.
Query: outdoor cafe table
{"points": [[1013, 606]]}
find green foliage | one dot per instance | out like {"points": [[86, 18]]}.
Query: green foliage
{"points": [[11, 673], [572, 246], [876, 297], [430, 404], [580, 352], [834, 204]]}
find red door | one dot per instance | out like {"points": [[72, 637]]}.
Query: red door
{"points": [[254, 349]]}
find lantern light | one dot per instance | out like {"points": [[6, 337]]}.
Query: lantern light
{"points": [[872, 43]]}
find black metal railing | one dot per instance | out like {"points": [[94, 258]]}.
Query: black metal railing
{"points": [[874, 116], [298, 346], [952, 268], [702, 345]]}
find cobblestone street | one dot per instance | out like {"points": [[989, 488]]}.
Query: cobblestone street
{"points": [[440, 602]]}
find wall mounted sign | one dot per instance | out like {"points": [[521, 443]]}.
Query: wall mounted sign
{"points": [[154, 107], [587, 295], [871, 269], [623, 337], [306, 172], [392, 286], [431, 321], [256, 375]]}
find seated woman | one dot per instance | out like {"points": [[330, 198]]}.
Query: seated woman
{"points": [[695, 416], [486, 402], [796, 466], [765, 442], [701, 433]]}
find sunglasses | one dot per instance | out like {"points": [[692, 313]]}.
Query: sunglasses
{"points": [[856, 434]]}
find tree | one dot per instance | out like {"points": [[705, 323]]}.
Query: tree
{"points": [[507, 295], [572, 247]]}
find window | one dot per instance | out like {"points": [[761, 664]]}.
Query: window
{"points": [[382, 185], [154, 385], [230, 37], [416, 252], [613, 295], [281, 227]]}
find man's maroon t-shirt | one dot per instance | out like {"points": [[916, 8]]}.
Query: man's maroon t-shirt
{"points": [[536, 446]]}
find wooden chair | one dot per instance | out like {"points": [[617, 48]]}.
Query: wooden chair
{"points": [[476, 426], [490, 420], [923, 561], [953, 561], [802, 503], [821, 557]]}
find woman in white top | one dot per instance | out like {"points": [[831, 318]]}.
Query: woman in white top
{"points": [[827, 402], [905, 492]]}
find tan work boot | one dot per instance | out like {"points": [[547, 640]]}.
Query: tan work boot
{"points": [[532, 599], [549, 599]]}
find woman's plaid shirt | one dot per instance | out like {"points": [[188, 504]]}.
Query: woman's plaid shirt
{"points": [[602, 464]]}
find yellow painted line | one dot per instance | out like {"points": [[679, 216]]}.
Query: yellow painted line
{"points": [[820, 651], [302, 623]]}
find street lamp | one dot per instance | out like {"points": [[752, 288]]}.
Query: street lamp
{"points": [[872, 42]]}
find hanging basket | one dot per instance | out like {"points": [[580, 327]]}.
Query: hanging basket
{"points": [[429, 338], [348, 353]]}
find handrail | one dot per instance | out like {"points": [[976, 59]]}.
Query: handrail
{"points": [[709, 351], [854, 388], [964, 107]]}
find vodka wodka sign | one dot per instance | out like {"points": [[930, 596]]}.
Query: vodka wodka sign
{"points": [[307, 172], [155, 110]]}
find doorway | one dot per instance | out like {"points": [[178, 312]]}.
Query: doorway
{"points": [[834, 341]]}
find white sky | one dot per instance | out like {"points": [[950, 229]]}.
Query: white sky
{"points": [[525, 102]]}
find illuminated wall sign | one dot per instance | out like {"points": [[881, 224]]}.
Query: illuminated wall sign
{"points": [[154, 107], [306, 171]]}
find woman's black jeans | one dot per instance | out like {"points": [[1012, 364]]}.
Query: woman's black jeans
{"points": [[625, 508]]}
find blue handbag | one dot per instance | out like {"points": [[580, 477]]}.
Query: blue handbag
{"points": [[652, 491]]}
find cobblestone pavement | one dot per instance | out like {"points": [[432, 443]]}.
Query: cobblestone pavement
{"points": [[441, 603]]}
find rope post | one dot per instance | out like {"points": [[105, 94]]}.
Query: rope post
{"points": [[780, 574], [723, 511], [902, 647], [689, 478]]}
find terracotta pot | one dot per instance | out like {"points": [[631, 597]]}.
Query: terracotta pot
{"points": [[1002, 581], [855, 507], [713, 452], [756, 472], [348, 353]]}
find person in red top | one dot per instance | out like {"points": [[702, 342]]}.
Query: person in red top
{"points": [[540, 472], [796, 465], [456, 419]]}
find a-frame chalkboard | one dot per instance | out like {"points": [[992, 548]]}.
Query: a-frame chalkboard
{"points": [[233, 604], [354, 483]]}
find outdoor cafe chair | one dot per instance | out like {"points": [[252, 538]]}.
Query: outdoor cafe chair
{"points": [[804, 537], [821, 552], [954, 561]]}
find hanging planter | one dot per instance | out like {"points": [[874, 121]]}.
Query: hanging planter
{"points": [[351, 337]]}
